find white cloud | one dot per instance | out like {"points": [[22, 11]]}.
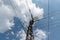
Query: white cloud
{"points": [[21, 34], [37, 12], [22, 10], [38, 34], [6, 17]]}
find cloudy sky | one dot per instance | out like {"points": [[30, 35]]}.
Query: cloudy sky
{"points": [[15, 17]]}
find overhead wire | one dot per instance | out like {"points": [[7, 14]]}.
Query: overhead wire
{"points": [[48, 19], [14, 7]]}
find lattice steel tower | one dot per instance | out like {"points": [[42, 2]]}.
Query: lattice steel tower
{"points": [[29, 34]]}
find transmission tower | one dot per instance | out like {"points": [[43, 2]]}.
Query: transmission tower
{"points": [[29, 34]]}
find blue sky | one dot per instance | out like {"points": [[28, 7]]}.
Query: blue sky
{"points": [[52, 30], [54, 18]]}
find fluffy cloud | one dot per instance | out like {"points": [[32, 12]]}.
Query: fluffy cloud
{"points": [[21, 34], [19, 8], [6, 17], [38, 34], [22, 10]]}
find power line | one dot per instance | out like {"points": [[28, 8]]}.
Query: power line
{"points": [[48, 19], [37, 20]]}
